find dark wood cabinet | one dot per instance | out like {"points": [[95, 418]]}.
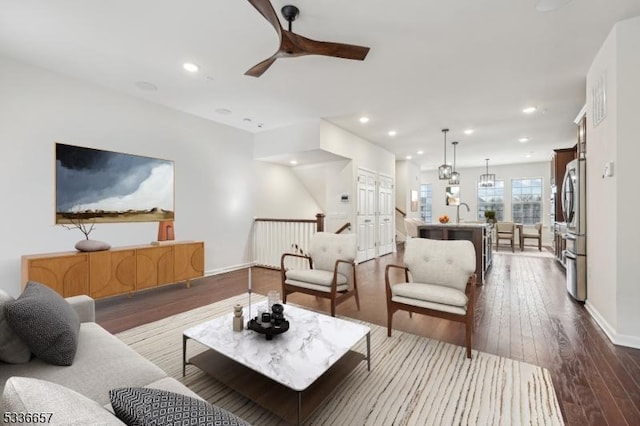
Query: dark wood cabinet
{"points": [[561, 157]]}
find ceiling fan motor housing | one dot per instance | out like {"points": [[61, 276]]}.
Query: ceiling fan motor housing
{"points": [[290, 12]]}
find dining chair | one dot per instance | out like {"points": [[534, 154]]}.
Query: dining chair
{"points": [[505, 231], [537, 235]]}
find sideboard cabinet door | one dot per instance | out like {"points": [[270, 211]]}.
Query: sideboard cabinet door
{"points": [[112, 272]]}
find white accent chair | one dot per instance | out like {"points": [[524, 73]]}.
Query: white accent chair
{"points": [[331, 273], [442, 283]]}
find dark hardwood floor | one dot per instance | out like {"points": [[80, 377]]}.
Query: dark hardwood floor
{"points": [[523, 312]]}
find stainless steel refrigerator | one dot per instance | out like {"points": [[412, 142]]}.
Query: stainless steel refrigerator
{"points": [[574, 209]]}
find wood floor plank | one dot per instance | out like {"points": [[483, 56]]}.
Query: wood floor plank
{"points": [[522, 312]]}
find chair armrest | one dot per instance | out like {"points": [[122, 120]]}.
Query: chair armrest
{"points": [[387, 283], [334, 284], [470, 291], [285, 255], [84, 306]]}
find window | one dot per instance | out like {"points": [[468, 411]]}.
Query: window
{"points": [[526, 200], [491, 198], [425, 202]]}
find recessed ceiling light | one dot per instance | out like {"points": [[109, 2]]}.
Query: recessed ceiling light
{"points": [[420, 152], [528, 154], [260, 125], [145, 85], [523, 140], [468, 131], [223, 111], [191, 67], [408, 157], [392, 133], [530, 110], [364, 120], [293, 162], [246, 120]]}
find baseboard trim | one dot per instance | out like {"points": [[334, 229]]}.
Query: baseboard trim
{"points": [[610, 331], [226, 269]]}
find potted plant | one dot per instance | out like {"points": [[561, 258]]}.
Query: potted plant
{"points": [[490, 215]]}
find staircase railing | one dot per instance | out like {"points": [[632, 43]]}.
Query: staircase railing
{"points": [[273, 237]]}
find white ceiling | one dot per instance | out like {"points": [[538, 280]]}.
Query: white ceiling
{"points": [[455, 63]]}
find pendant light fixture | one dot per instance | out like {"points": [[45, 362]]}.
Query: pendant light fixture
{"points": [[455, 176], [487, 179], [444, 171]]}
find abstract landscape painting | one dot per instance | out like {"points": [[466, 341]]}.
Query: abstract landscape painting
{"points": [[106, 186]]}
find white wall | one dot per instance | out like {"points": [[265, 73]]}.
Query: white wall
{"points": [[613, 291], [281, 195], [602, 197], [407, 180], [327, 182], [469, 178], [290, 139], [213, 192], [363, 153]]}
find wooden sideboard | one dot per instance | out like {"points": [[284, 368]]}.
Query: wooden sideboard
{"points": [[116, 271]]}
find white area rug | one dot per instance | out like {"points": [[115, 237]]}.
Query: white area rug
{"points": [[413, 380]]}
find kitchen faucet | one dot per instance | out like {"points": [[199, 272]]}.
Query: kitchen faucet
{"points": [[458, 211]]}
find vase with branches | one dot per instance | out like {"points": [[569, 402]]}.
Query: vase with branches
{"points": [[77, 221]]}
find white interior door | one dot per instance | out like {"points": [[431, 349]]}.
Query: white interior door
{"points": [[366, 226], [386, 215]]}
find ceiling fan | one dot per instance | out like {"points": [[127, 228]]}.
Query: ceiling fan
{"points": [[292, 44]]}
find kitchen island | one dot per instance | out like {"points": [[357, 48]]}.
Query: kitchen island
{"points": [[479, 233]]}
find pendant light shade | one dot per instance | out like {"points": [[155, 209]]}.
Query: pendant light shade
{"points": [[455, 176], [487, 179], [444, 171]]}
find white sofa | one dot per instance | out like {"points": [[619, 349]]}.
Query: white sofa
{"points": [[102, 363]]}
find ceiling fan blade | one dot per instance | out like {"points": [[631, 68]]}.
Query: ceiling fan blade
{"points": [[259, 69], [338, 50], [266, 9]]}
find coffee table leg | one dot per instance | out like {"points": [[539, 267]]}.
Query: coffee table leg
{"points": [[184, 354], [299, 408], [369, 351]]}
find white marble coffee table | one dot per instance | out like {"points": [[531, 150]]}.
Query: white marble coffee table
{"points": [[296, 358]]}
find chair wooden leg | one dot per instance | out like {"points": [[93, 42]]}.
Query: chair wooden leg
{"points": [[539, 244], [333, 307], [357, 297], [410, 314], [389, 321], [469, 332]]}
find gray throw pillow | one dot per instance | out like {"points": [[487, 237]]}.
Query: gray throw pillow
{"points": [[146, 406], [46, 323], [12, 349]]}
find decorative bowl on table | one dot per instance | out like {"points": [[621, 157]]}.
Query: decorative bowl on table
{"points": [[444, 219], [270, 323], [268, 329]]}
